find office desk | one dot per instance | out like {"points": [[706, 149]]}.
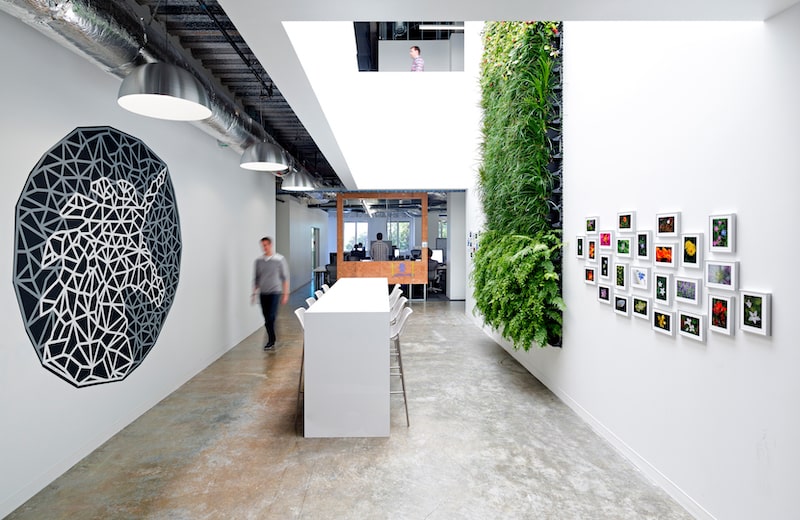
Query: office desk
{"points": [[347, 360]]}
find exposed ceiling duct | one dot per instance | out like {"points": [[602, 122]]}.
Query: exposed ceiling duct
{"points": [[120, 35]]}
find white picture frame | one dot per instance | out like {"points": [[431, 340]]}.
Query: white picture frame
{"points": [[663, 321], [665, 254], [722, 275], [755, 312], [626, 222], [580, 247], [668, 225], [604, 294], [644, 245], [622, 305], [722, 314], [722, 233], [641, 306], [691, 325], [621, 277], [662, 289], [691, 250], [640, 277], [604, 266], [688, 290], [623, 246]]}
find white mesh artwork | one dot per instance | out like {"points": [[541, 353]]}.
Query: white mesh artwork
{"points": [[97, 254]]}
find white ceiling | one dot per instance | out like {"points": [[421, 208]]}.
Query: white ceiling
{"points": [[313, 82]]}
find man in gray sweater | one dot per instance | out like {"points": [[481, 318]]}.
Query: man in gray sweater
{"points": [[272, 286]]}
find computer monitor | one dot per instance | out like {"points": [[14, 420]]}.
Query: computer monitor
{"points": [[332, 258], [438, 255]]}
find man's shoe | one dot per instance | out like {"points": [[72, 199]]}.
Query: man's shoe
{"points": [[270, 346]]}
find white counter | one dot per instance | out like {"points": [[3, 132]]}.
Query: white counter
{"points": [[347, 360]]}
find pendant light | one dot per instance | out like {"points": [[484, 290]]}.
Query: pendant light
{"points": [[264, 157], [164, 91], [300, 180]]}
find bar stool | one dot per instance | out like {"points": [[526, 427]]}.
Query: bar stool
{"points": [[325, 287], [394, 351], [300, 312], [310, 301], [395, 294], [394, 313], [318, 294]]}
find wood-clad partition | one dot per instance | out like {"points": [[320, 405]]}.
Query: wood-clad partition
{"points": [[397, 271]]}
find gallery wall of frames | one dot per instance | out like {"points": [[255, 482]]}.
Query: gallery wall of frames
{"points": [[678, 281]]}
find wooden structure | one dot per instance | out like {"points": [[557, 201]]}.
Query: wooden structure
{"points": [[396, 271]]}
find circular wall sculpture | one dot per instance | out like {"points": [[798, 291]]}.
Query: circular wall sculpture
{"points": [[97, 254]]}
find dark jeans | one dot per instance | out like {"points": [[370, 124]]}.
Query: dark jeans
{"points": [[269, 307]]}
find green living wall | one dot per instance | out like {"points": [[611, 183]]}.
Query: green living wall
{"points": [[517, 265]]}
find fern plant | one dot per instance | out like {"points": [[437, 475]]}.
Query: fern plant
{"points": [[516, 275]]}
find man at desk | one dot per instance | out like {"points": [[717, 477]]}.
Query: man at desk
{"points": [[379, 250]]}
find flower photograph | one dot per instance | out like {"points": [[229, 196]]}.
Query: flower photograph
{"points": [[722, 275], [691, 326], [668, 224], [687, 290], [606, 238], [591, 224], [641, 307], [665, 255], [755, 313], [640, 277], [605, 266], [624, 246], [589, 275], [604, 294], [720, 310], [663, 292], [643, 245], [591, 249], [626, 222], [662, 321], [722, 233], [692, 251]]}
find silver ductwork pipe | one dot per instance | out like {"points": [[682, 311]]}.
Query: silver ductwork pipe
{"points": [[120, 35]]}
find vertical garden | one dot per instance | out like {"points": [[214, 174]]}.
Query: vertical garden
{"points": [[517, 266]]}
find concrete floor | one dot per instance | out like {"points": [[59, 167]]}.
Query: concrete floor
{"points": [[487, 440]]}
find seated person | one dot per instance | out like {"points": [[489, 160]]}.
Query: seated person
{"points": [[433, 276]]}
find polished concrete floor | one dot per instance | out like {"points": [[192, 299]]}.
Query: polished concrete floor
{"points": [[487, 440]]}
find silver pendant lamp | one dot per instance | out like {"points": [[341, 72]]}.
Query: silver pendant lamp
{"points": [[264, 157], [300, 180], [164, 91]]}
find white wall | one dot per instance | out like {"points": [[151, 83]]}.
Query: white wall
{"points": [[293, 238], [700, 118], [48, 425]]}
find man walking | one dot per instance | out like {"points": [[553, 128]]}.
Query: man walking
{"points": [[272, 286], [379, 250]]}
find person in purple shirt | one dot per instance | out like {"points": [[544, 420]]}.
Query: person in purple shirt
{"points": [[418, 64]]}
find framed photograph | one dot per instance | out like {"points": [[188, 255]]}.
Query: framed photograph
{"points": [[692, 250], [662, 289], [624, 246], [592, 225], [668, 225], [591, 249], [621, 277], [605, 267], [663, 321], [641, 307], [755, 312], [688, 290], [640, 277], [722, 233], [721, 313], [604, 294], [580, 246], [626, 222], [665, 254], [590, 275], [692, 325], [622, 305], [722, 275], [644, 240], [606, 239]]}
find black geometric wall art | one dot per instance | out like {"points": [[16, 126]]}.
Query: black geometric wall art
{"points": [[97, 254]]}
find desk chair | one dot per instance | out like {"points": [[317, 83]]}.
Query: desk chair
{"points": [[394, 352], [433, 280], [310, 301], [301, 317], [416, 254]]}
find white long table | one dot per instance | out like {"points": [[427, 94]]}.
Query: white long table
{"points": [[347, 360]]}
